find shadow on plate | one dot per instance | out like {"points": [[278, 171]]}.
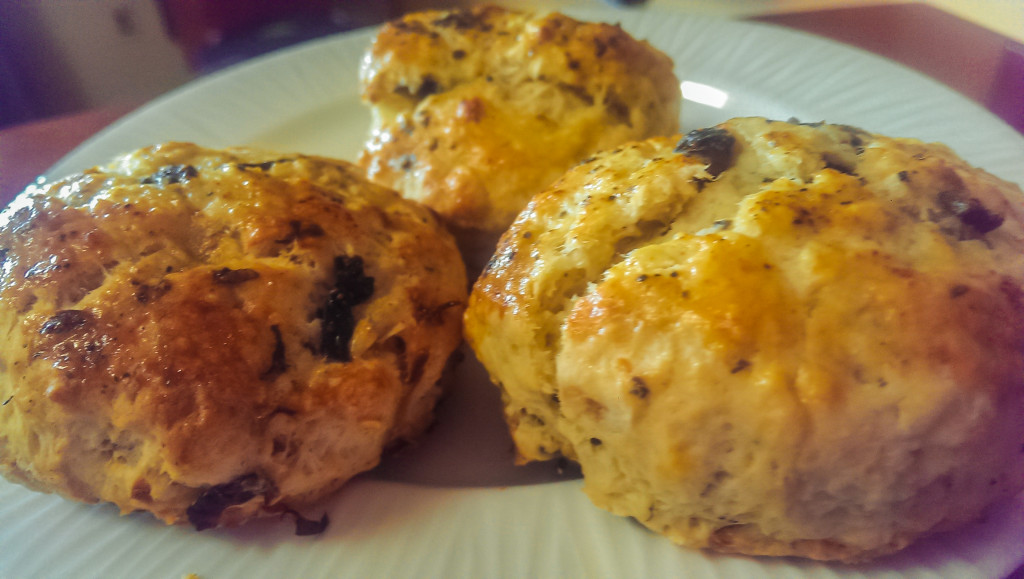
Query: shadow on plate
{"points": [[469, 444]]}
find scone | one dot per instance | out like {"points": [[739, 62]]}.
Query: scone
{"points": [[476, 110], [215, 335], [771, 338]]}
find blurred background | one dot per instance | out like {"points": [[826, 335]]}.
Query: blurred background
{"points": [[64, 56]]}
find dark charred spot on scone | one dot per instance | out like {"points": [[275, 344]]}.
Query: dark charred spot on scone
{"points": [[713, 146], [433, 315], [804, 216], [836, 164], [284, 410], [351, 288], [639, 388], [301, 230], [577, 91], [958, 290], [458, 54], [596, 441], [857, 136], [464, 20], [205, 512], [141, 491], [403, 163], [413, 27], [617, 108], [556, 29], [77, 351], [170, 175], [531, 417], [978, 219], [904, 176], [264, 166], [228, 276], [65, 321], [145, 293], [699, 183], [278, 445], [740, 366], [428, 86], [714, 483], [278, 361]]}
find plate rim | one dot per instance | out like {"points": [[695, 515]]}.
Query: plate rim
{"points": [[74, 159]]}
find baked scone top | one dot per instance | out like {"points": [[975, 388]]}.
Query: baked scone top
{"points": [[187, 319], [476, 110], [772, 338]]}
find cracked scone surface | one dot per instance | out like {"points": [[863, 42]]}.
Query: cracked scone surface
{"points": [[213, 335], [476, 110], [775, 339]]}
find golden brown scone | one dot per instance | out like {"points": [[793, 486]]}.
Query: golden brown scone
{"points": [[476, 110], [213, 335], [775, 339]]}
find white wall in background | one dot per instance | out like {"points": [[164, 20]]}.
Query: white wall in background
{"points": [[118, 49], [89, 53], [1004, 16]]}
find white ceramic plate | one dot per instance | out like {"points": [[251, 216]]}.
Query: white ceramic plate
{"points": [[454, 506]]}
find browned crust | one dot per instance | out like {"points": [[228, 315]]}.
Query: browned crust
{"points": [[456, 132], [174, 325]]}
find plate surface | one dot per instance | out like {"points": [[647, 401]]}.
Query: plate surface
{"points": [[454, 506]]}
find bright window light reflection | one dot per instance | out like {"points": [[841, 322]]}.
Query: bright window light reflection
{"points": [[704, 94]]}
